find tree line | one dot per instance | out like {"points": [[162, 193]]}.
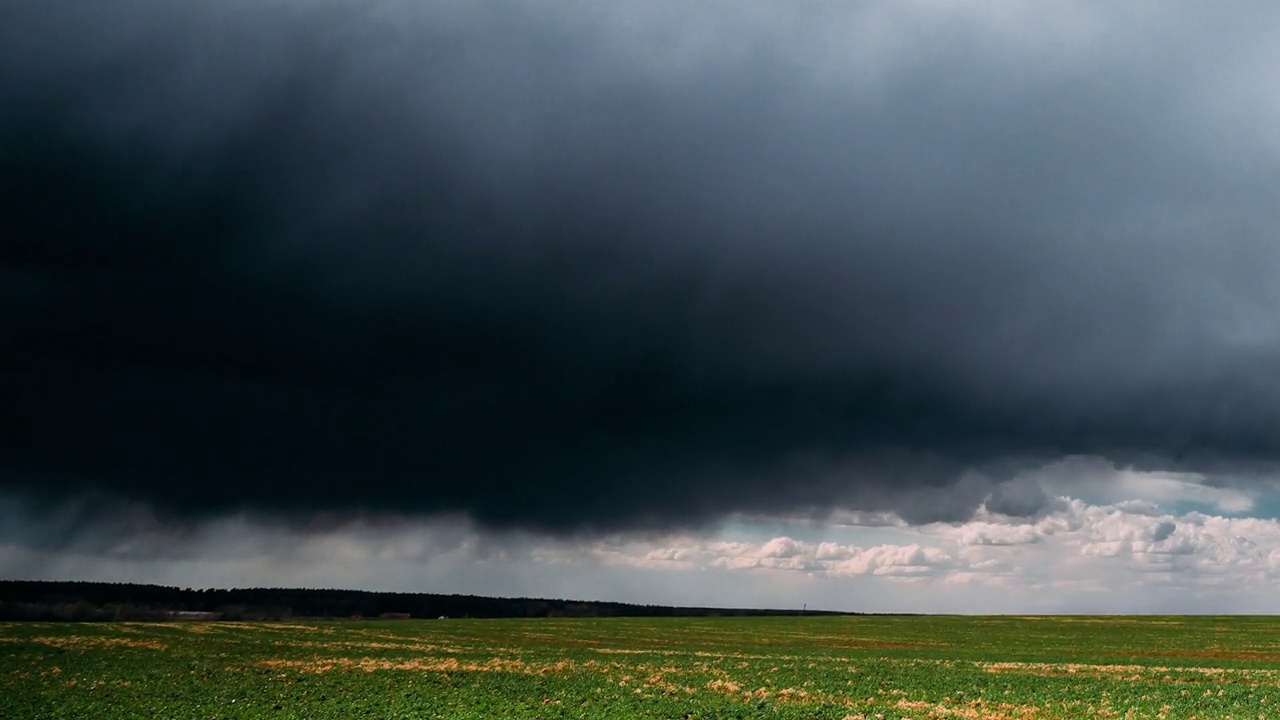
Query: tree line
{"points": [[96, 601]]}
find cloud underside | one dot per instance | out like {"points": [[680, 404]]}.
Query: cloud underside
{"points": [[630, 268]]}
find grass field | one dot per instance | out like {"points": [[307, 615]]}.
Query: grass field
{"points": [[679, 668]]}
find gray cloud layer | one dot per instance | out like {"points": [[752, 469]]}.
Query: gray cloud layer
{"points": [[637, 264]]}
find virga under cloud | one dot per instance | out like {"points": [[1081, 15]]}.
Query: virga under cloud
{"points": [[631, 265]]}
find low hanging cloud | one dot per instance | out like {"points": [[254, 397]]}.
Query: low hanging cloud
{"points": [[1076, 556], [829, 559], [631, 266]]}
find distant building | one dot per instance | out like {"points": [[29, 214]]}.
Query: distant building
{"points": [[194, 615]]}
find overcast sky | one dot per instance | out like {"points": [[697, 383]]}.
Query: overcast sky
{"points": [[747, 302]]}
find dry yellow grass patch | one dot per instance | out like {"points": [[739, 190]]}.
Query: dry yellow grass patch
{"points": [[728, 687], [976, 710], [1115, 672], [289, 626], [1121, 672], [367, 664], [369, 645], [89, 642], [696, 653]]}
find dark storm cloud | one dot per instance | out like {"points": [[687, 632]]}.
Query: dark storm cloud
{"points": [[625, 265]]}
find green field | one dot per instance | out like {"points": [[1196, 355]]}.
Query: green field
{"points": [[679, 668]]}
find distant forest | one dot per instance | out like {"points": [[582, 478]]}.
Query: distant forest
{"points": [[92, 601]]}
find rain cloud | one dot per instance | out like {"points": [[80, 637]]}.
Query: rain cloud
{"points": [[635, 265]]}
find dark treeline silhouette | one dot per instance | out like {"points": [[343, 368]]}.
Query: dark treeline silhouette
{"points": [[93, 601]]}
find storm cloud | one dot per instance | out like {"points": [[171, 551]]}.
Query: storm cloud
{"points": [[580, 266]]}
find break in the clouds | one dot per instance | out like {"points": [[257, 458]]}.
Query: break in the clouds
{"points": [[634, 265]]}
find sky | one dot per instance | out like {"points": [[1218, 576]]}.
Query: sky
{"points": [[915, 306]]}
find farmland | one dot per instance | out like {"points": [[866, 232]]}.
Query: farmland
{"points": [[686, 668]]}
